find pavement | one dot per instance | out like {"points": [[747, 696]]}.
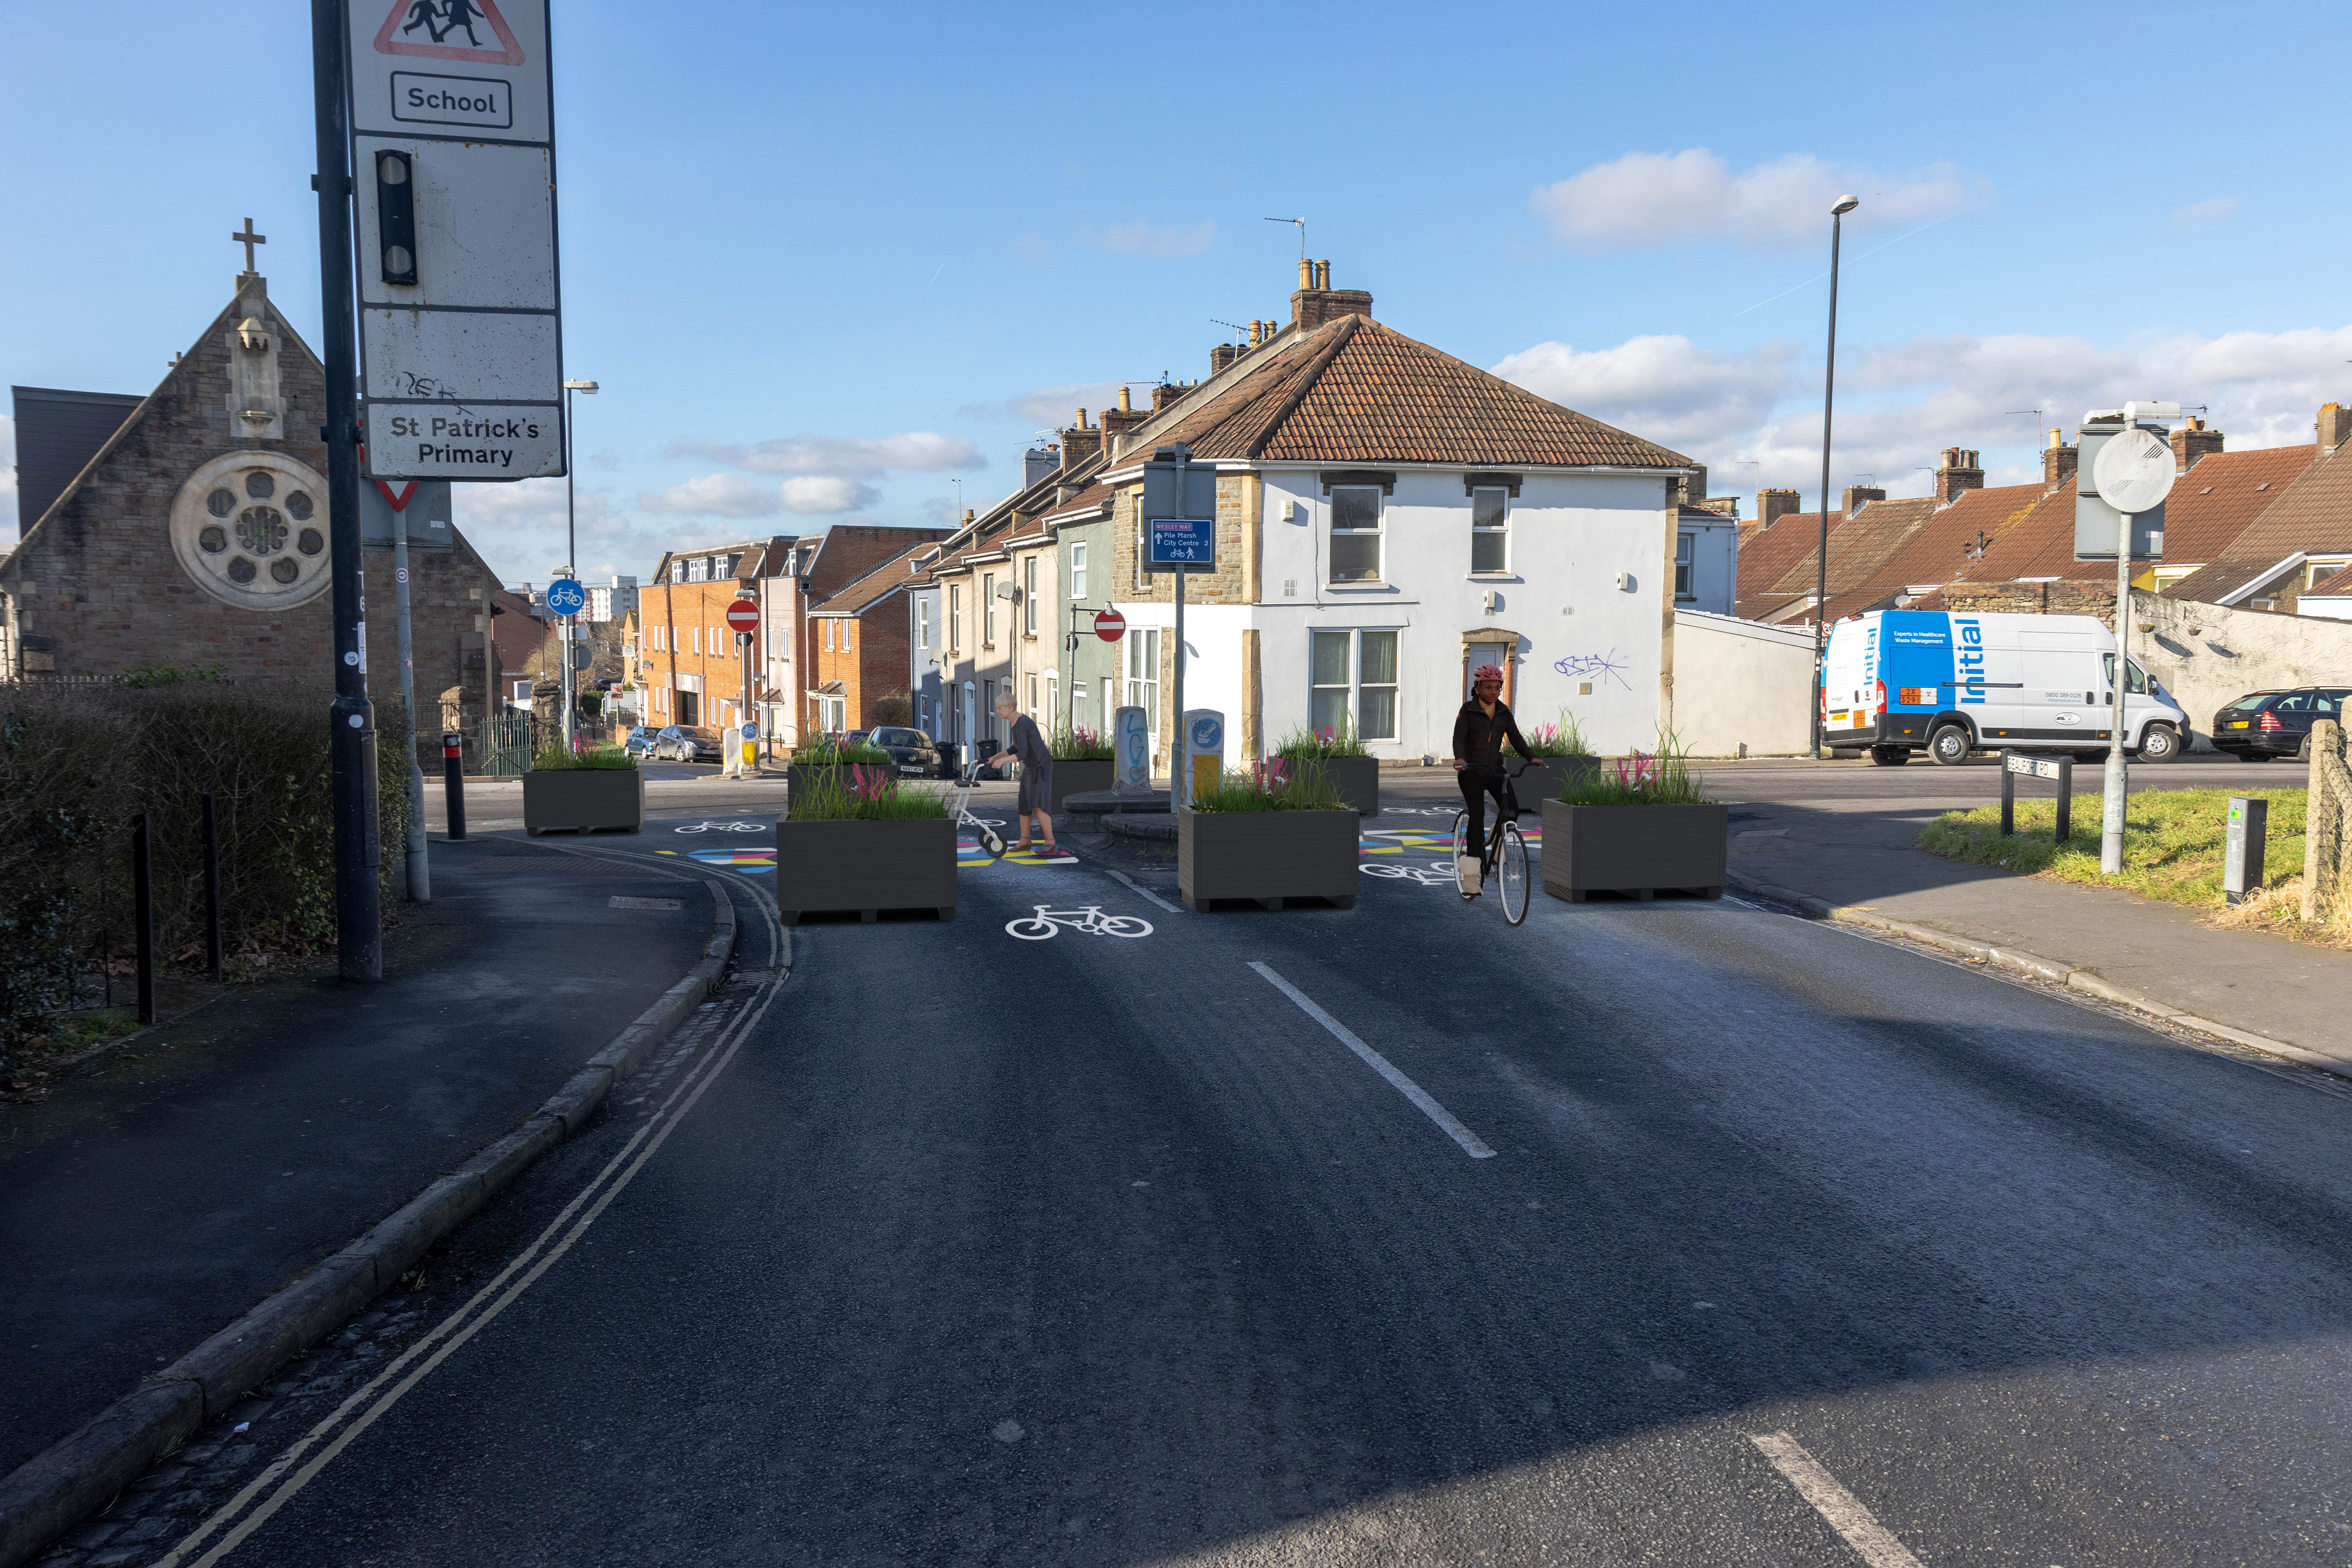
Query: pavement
{"points": [[1681, 1232], [168, 1184]]}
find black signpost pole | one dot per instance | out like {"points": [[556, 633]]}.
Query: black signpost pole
{"points": [[358, 932]]}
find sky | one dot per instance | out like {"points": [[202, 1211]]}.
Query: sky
{"points": [[846, 263]]}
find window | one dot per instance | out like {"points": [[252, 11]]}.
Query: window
{"points": [[1143, 678], [847, 627], [828, 636], [955, 618], [1029, 601], [686, 701], [698, 569], [923, 624], [2138, 677], [1356, 534], [988, 611], [1490, 531], [698, 639], [1077, 571], [1033, 694], [1353, 684], [1078, 702], [1683, 543]]}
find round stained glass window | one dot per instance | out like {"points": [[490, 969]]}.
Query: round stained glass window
{"points": [[215, 539], [240, 571], [284, 569], [309, 541], [299, 504], [220, 502], [260, 485], [261, 529]]}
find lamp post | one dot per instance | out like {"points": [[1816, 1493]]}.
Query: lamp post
{"points": [[1829, 398], [571, 561]]}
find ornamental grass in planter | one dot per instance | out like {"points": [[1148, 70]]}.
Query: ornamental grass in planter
{"points": [[1339, 752], [583, 788], [1084, 763], [1271, 832], [825, 756], [1639, 825], [860, 840]]}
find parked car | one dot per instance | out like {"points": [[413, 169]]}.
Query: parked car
{"points": [[685, 743], [2264, 724], [910, 749], [1951, 683], [639, 741]]}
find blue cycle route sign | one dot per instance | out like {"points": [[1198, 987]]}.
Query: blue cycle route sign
{"points": [[1183, 543], [566, 597]]}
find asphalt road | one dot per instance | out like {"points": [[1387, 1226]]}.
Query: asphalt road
{"points": [[947, 1246]]}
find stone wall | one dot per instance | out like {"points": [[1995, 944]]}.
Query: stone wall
{"points": [[2207, 655], [1229, 584]]}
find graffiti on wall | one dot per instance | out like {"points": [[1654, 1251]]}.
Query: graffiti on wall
{"points": [[1595, 668]]}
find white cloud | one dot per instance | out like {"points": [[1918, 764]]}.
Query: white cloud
{"points": [[1143, 239], [1692, 197], [715, 495], [826, 494], [844, 457], [1756, 418], [2197, 215]]}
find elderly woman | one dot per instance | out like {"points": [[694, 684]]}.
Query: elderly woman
{"points": [[1036, 769]]}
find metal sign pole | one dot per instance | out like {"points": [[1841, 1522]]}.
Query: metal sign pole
{"points": [[359, 933], [420, 876], [1178, 776], [2111, 817]]}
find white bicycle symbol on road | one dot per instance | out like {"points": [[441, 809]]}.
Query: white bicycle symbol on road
{"points": [[1436, 873], [723, 828], [1091, 919]]}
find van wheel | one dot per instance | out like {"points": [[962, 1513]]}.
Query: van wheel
{"points": [[2158, 743], [1949, 746], [1890, 756]]}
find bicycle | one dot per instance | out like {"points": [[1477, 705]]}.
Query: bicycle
{"points": [[1091, 919], [1504, 856]]}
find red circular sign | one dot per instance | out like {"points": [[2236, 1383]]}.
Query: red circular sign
{"points": [[743, 615], [1110, 625]]}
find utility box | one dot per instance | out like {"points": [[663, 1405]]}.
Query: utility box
{"points": [[2096, 522], [2241, 865]]}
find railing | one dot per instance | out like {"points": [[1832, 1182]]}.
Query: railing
{"points": [[509, 742]]}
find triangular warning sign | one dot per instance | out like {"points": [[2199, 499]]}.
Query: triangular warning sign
{"points": [[427, 28]]}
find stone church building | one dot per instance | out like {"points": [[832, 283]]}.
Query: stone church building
{"points": [[192, 531]]}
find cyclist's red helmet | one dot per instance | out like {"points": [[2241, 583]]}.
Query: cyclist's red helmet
{"points": [[1485, 673]]}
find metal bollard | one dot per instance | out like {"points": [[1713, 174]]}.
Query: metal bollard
{"points": [[2008, 798], [212, 893], [453, 780], [143, 895], [2241, 865]]}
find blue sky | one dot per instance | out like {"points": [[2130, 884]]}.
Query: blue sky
{"points": [[827, 262]]}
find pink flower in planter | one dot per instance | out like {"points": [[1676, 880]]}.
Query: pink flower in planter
{"points": [[867, 783]]}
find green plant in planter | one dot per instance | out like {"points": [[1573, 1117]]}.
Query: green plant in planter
{"points": [[865, 794], [1660, 777], [1076, 743], [838, 750], [1272, 787], [1318, 745], [555, 758], [1565, 738]]}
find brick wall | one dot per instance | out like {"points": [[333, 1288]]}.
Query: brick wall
{"points": [[693, 639], [884, 647]]}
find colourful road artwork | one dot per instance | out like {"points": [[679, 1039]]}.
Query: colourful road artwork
{"points": [[749, 858]]}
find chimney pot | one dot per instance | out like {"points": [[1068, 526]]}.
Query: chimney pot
{"points": [[1959, 473], [1124, 405], [1256, 329], [1305, 273], [2191, 443], [1323, 275]]}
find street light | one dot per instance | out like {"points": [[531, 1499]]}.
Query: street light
{"points": [[571, 555], [1829, 388]]}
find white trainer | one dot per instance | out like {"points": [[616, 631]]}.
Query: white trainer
{"points": [[1466, 870]]}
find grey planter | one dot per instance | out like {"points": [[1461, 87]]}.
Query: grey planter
{"points": [[584, 799], [1356, 778], [1635, 849], [1078, 776], [1268, 857], [865, 868], [1548, 777]]}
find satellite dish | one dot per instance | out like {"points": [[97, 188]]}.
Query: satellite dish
{"points": [[2133, 472]]}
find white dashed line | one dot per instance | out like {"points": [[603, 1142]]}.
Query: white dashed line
{"points": [[1472, 1145], [1860, 1527]]}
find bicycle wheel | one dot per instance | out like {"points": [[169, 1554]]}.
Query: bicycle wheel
{"points": [[1460, 853], [1511, 873], [1031, 928], [1124, 926]]}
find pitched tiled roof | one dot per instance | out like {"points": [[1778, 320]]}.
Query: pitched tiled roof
{"points": [[1355, 392], [1860, 549], [1770, 558], [2314, 513], [857, 597], [2214, 503], [1937, 551], [2034, 541]]}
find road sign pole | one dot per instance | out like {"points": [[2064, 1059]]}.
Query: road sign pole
{"points": [[1178, 775], [420, 876], [2110, 815], [358, 932]]}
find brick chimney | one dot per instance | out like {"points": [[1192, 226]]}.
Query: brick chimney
{"points": [[1117, 422], [1690, 490], [1771, 506], [1959, 472], [1854, 497], [2335, 426], [1166, 393], [1079, 442], [1221, 356], [2059, 462], [2193, 440], [1316, 303]]}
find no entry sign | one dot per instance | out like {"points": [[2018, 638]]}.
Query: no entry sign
{"points": [[1110, 625], [743, 615]]}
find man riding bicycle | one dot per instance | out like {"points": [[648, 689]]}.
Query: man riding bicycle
{"points": [[1479, 731]]}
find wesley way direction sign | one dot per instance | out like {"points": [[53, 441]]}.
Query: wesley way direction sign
{"points": [[453, 163]]}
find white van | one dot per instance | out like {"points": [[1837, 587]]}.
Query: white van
{"points": [[1899, 681]]}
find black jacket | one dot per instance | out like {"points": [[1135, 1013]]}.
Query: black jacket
{"points": [[1479, 740]]}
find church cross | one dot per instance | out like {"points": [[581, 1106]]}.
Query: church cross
{"points": [[250, 239]]}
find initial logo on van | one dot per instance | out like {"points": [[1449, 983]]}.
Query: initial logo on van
{"points": [[1971, 658]]}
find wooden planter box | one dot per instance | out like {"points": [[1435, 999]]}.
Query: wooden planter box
{"points": [[1266, 856], [1078, 776], [1636, 850], [864, 867], [584, 799]]}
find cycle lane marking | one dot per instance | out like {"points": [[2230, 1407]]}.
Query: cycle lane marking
{"points": [[1854, 1523], [1088, 917], [1471, 1144]]}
